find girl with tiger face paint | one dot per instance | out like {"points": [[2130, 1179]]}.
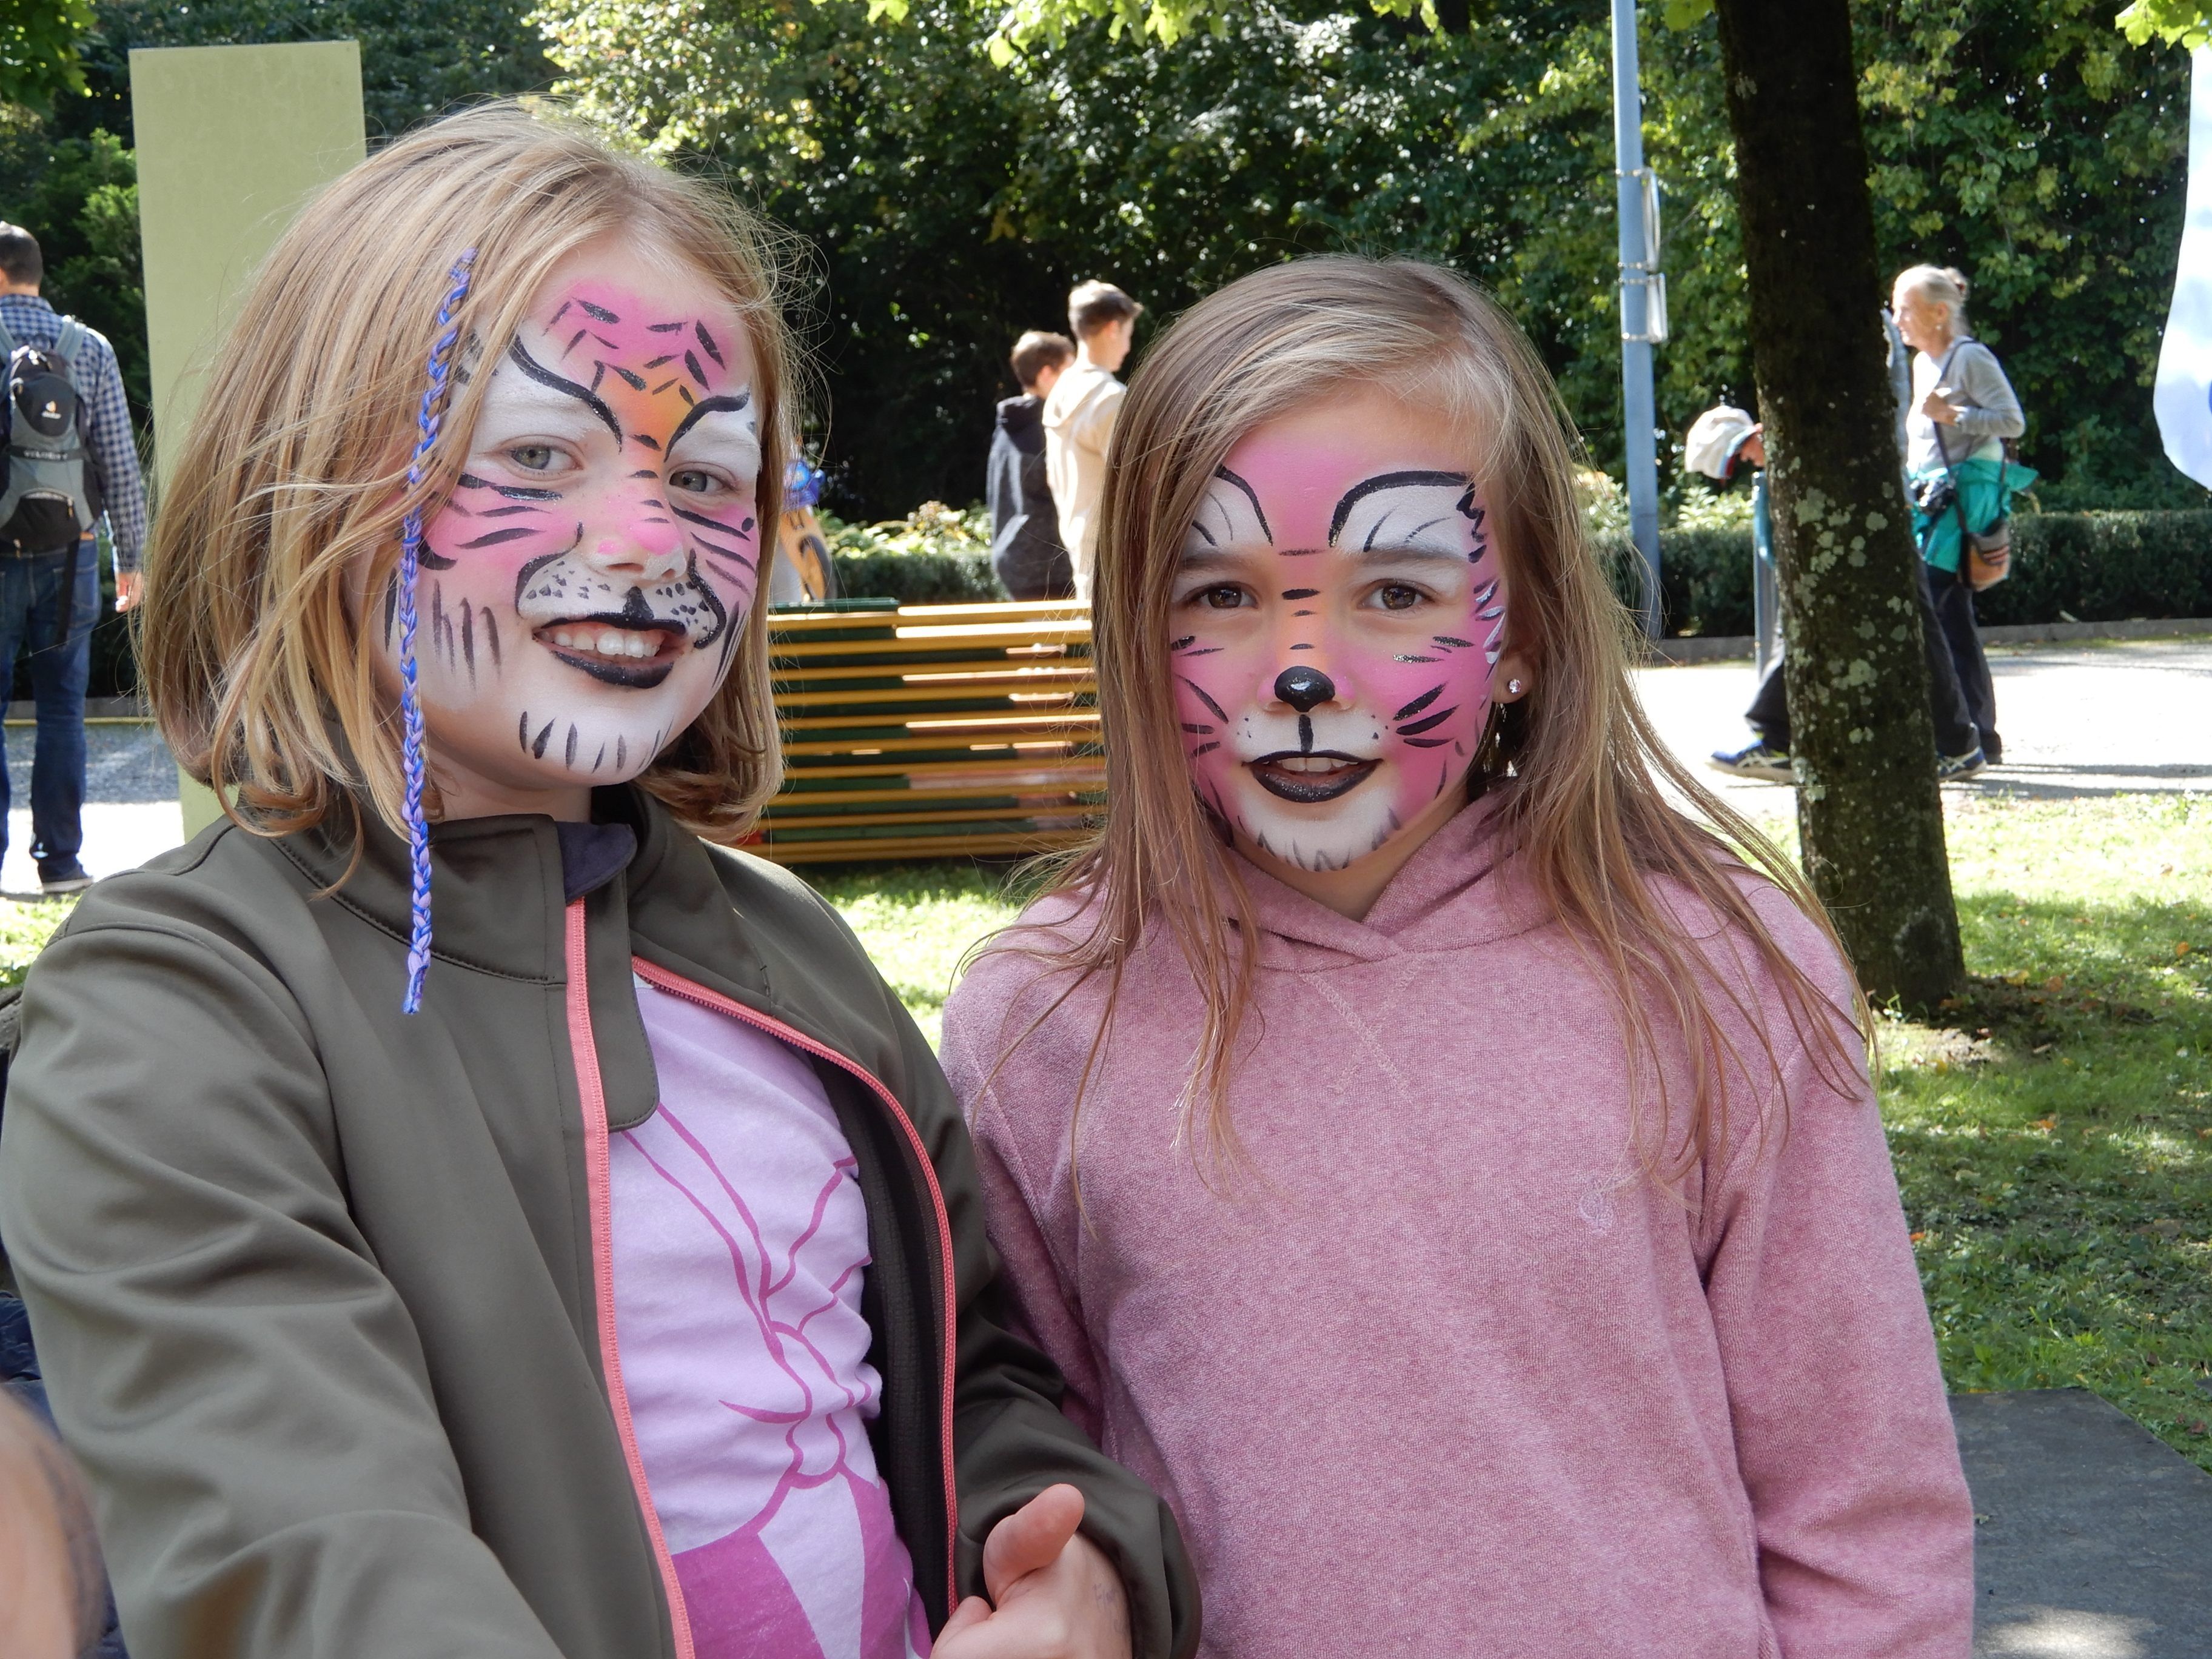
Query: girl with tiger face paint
{"points": [[1337, 614], [604, 1210], [584, 585]]}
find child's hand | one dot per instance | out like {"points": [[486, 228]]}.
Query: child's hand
{"points": [[1056, 1595]]}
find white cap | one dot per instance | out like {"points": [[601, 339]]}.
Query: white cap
{"points": [[1714, 438]]}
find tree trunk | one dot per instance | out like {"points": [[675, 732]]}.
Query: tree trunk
{"points": [[1869, 818]]}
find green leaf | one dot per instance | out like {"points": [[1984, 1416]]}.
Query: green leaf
{"points": [[2185, 23], [38, 51]]}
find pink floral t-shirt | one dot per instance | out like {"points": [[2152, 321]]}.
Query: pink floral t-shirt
{"points": [[740, 1245]]}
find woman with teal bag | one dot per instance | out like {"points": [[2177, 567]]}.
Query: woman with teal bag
{"points": [[1963, 480]]}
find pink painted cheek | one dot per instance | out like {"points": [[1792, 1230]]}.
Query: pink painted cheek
{"points": [[1212, 759], [1435, 713]]}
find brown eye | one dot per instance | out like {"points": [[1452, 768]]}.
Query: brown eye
{"points": [[1396, 596], [1224, 599]]}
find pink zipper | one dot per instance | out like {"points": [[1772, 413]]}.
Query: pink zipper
{"points": [[675, 985], [592, 1091]]}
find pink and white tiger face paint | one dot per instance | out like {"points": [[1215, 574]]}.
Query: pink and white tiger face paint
{"points": [[584, 586], [1335, 619]]}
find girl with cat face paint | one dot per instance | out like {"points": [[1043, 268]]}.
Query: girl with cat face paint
{"points": [[462, 1204], [1430, 1132]]}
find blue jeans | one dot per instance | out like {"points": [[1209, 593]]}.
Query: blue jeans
{"points": [[32, 590]]}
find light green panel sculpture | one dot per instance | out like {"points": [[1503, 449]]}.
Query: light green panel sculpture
{"points": [[231, 141]]}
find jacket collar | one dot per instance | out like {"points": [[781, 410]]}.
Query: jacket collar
{"points": [[497, 889]]}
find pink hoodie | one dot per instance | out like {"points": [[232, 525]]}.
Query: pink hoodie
{"points": [[1439, 1373]]}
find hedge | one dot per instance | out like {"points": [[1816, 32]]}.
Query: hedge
{"points": [[918, 578], [2077, 567]]}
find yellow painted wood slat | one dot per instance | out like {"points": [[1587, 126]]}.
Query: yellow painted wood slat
{"points": [[906, 694], [909, 745], [1074, 812], [1073, 719], [1074, 670], [920, 847]]}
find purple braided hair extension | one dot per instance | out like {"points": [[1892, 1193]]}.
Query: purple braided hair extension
{"points": [[410, 543]]}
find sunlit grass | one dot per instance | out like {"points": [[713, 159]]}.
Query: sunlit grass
{"points": [[917, 920], [2054, 1139], [25, 927]]}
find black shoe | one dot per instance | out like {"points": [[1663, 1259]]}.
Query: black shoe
{"points": [[1759, 760], [57, 879], [1993, 749]]}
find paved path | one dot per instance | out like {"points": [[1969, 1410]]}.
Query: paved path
{"points": [[2099, 719], [2091, 1535], [2079, 720]]}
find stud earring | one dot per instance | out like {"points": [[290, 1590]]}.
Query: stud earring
{"points": [[1513, 687]]}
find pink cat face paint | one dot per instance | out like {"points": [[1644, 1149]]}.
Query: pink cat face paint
{"points": [[1335, 617], [584, 586]]}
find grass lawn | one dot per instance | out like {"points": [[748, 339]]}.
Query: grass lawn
{"points": [[2054, 1141]]}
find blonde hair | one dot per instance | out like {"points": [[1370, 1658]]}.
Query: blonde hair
{"points": [[1945, 285], [1587, 814], [295, 466], [49, 1577]]}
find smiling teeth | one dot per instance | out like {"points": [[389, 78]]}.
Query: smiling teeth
{"points": [[1311, 764], [607, 643]]}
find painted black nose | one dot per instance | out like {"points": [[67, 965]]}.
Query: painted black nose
{"points": [[1304, 687]]}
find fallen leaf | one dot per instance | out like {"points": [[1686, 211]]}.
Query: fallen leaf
{"points": [[2046, 1123], [2056, 983], [1917, 1238], [2041, 1049], [2181, 947]]}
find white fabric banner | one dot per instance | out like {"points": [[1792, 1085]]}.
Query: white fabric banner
{"points": [[2183, 396]]}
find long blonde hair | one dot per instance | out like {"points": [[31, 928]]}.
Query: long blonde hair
{"points": [[1586, 815], [295, 464]]}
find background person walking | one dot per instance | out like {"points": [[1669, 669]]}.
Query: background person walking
{"points": [[1962, 481], [1026, 552], [49, 575], [1079, 418], [1958, 746]]}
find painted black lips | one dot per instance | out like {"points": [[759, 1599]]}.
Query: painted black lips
{"points": [[638, 674], [1308, 787]]}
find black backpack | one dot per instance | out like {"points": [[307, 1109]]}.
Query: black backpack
{"points": [[49, 498]]}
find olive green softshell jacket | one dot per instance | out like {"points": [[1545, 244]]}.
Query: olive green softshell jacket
{"points": [[320, 1288]]}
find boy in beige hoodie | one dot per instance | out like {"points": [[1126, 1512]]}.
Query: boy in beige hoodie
{"points": [[1079, 418]]}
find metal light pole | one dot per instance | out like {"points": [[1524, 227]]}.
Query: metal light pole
{"points": [[1643, 303]]}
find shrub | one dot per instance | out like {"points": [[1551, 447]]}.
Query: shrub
{"points": [[934, 555], [2066, 567]]}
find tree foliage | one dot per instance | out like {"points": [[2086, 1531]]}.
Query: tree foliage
{"points": [[79, 197], [38, 51], [418, 56], [2177, 23], [68, 175], [946, 208]]}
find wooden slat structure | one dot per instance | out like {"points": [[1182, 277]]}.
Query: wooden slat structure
{"points": [[932, 731]]}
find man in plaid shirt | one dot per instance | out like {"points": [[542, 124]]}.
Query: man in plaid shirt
{"points": [[50, 597]]}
